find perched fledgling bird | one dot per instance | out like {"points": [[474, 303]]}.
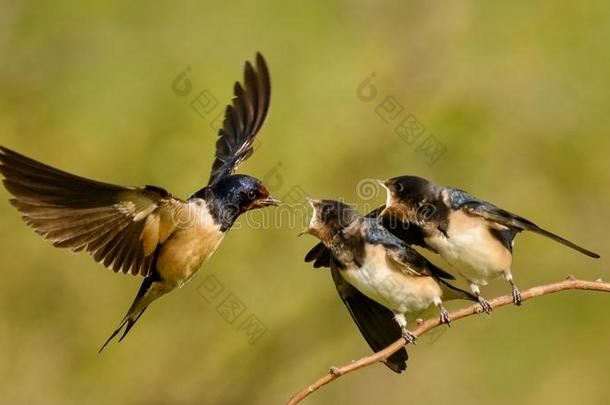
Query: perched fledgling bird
{"points": [[472, 235], [379, 277], [145, 230]]}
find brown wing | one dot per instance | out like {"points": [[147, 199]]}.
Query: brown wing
{"points": [[243, 119], [120, 227]]}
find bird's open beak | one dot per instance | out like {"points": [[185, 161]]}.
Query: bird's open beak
{"points": [[382, 183], [266, 202], [386, 210], [307, 231], [314, 204]]}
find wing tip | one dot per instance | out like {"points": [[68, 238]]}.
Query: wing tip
{"points": [[248, 69], [397, 362], [5, 151], [261, 64], [592, 254], [253, 95]]}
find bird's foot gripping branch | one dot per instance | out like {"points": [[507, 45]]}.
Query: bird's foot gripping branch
{"points": [[570, 283]]}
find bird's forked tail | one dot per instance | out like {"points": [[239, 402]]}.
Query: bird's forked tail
{"points": [[137, 308]]}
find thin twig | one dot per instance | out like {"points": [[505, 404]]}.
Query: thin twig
{"points": [[569, 284]]}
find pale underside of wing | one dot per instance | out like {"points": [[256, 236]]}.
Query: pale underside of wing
{"points": [[118, 226]]}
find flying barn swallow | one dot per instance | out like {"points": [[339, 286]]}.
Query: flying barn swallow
{"points": [[378, 276], [474, 236], [145, 230]]}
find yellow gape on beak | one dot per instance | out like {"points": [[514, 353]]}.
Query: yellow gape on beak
{"points": [[305, 232], [314, 203], [388, 200]]}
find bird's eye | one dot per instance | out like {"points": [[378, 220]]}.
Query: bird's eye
{"points": [[399, 187], [251, 195]]}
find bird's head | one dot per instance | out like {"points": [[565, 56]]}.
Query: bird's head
{"points": [[405, 196], [329, 217], [236, 194]]}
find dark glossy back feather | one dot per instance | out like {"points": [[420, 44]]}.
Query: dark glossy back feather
{"points": [[492, 213]]}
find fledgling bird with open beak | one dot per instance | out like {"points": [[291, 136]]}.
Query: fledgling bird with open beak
{"points": [[473, 235], [145, 230], [371, 268]]}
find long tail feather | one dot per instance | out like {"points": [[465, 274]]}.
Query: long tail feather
{"points": [[563, 241], [135, 310], [130, 323], [116, 332]]}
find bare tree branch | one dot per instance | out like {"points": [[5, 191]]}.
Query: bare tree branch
{"points": [[569, 284]]}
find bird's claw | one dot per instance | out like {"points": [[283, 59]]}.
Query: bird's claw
{"points": [[445, 318], [516, 296], [409, 337], [485, 305]]}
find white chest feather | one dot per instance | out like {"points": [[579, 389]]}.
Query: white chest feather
{"points": [[471, 248], [382, 281], [190, 246]]}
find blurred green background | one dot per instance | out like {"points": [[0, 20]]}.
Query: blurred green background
{"points": [[517, 95]]}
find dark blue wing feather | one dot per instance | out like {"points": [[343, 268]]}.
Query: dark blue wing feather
{"points": [[510, 224], [378, 234]]}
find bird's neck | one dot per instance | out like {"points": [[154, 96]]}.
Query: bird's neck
{"points": [[223, 212]]}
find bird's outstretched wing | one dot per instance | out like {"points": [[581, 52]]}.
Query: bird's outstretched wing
{"points": [[243, 119], [502, 219], [375, 322], [120, 227]]}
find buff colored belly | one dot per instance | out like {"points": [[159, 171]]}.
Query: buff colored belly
{"points": [[390, 287], [471, 249], [186, 250]]}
